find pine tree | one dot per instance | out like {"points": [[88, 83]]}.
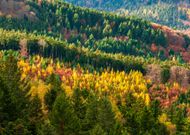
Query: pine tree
{"points": [[51, 95], [35, 114], [63, 116], [106, 116], [79, 104], [90, 119]]}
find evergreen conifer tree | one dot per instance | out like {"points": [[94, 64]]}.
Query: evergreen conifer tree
{"points": [[63, 116]]}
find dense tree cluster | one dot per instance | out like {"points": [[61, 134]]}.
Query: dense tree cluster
{"points": [[166, 12], [115, 54], [66, 21], [113, 4], [74, 101], [77, 71], [54, 105]]}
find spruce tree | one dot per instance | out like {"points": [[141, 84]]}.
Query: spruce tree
{"points": [[63, 116], [106, 116], [51, 95], [90, 119], [78, 103]]}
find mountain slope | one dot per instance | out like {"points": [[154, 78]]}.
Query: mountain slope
{"points": [[73, 71], [166, 12], [100, 30]]}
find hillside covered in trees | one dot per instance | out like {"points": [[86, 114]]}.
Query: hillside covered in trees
{"points": [[85, 27], [67, 70], [173, 13]]}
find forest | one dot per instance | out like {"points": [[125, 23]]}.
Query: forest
{"points": [[172, 13], [80, 71]]}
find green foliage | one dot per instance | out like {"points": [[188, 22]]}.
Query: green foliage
{"points": [[63, 116], [19, 114], [13, 99], [90, 119], [68, 52], [97, 130], [50, 98], [51, 95], [106, 117], [179, 118], [35, 115], [184, 98], [165, 75], [46, 128], [143, 121], [82, 113], [164, 12], [66, 21], [92, 39], [171, 52], [186, 126], [79, 104], [130, 47], [17, 127]]}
